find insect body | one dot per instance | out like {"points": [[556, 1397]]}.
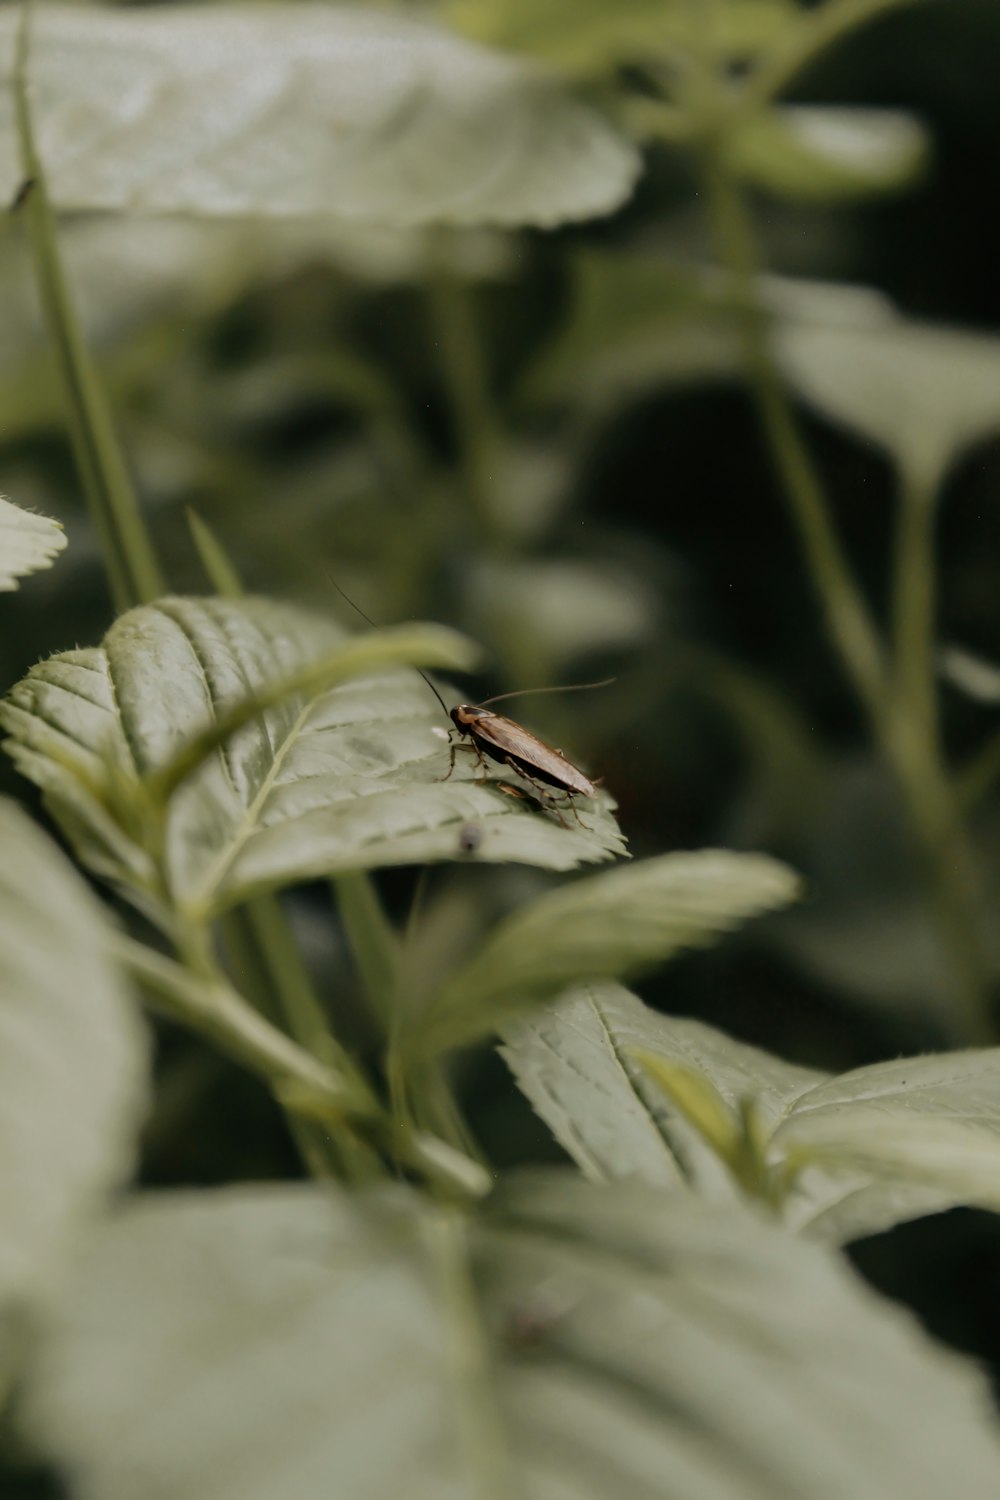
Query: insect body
{"points": [[513, 746], [507, 742]]}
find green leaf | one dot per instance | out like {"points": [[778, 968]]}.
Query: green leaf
{"points": [[72, 1061], [920, 392], [973, 675], [817, 154], [592, 36], [326, 780], [606, 925], [27, 543], [866, 1150], [296, 110], [869, 937], [567, 1340], [577, 1061], [636, 321], [542, 615], [911, 1136]]}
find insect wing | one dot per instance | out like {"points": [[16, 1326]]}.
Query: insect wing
{"points": [[532, 754]]}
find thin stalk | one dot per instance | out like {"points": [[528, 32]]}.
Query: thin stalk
{"points": [[467, 386], [978, 777], [903, 721], [213, 1008], [848, 619], [372, 942], [133, 572], [485, 1447], [290, 991], [914, 606], [813, 33]]}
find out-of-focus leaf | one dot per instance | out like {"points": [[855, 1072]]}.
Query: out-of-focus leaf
{"points": [[607, 925], [922, 393], [972, 675], [575, 1060], [327, 779], [298, 110], [567, 1340], [867, 932], [818, 154], [871, 1148], [542, 614], [636, 321], [592, 36], [72, 1062], [27, 543]]}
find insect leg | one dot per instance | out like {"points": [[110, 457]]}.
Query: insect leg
{"points": [[456, 745], [543, 795]]}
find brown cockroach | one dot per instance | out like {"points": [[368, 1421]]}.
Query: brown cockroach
{"points": [[509, 743]]}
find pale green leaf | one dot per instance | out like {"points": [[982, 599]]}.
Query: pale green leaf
{"points": [[606, 925], [877, 1146], [27, 543], [326, 780], [824, 154], [542, 615], [286, 110], [72, 1060], [576, 1061], [566, 1341], [903, 1138], [869, 936], [973, 675], [921, 392], [594, 36], [637, 321]]}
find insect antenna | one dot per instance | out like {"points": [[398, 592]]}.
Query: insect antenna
{"points": [[371, 622], [573, 687]]}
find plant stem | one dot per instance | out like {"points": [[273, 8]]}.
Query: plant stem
{"points": [[485, 1447], [213, 1008], [372, 942], [914, 604], [808, 38], [848, 618], [900, 703], [466, 382], [133, 572]]}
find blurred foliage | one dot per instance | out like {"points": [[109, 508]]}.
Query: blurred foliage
{"points": [[545, 439]]}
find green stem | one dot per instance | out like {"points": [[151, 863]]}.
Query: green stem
{"points": [[264, 943], [372, 942], [977, 779], [487, 1455], [133, 572], [812, 34], [914, 606], [466, 381], [900, 705], [215, 1010], [848, 619]]}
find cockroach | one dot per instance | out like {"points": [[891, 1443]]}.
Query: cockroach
{"points": [[509, 743]]}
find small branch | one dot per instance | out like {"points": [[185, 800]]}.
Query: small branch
{"points": [[900, 703], [914, 606], [848, 619], [813, 33], [466, 383], [371, 940], [215, 1010], [133, 572]]}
